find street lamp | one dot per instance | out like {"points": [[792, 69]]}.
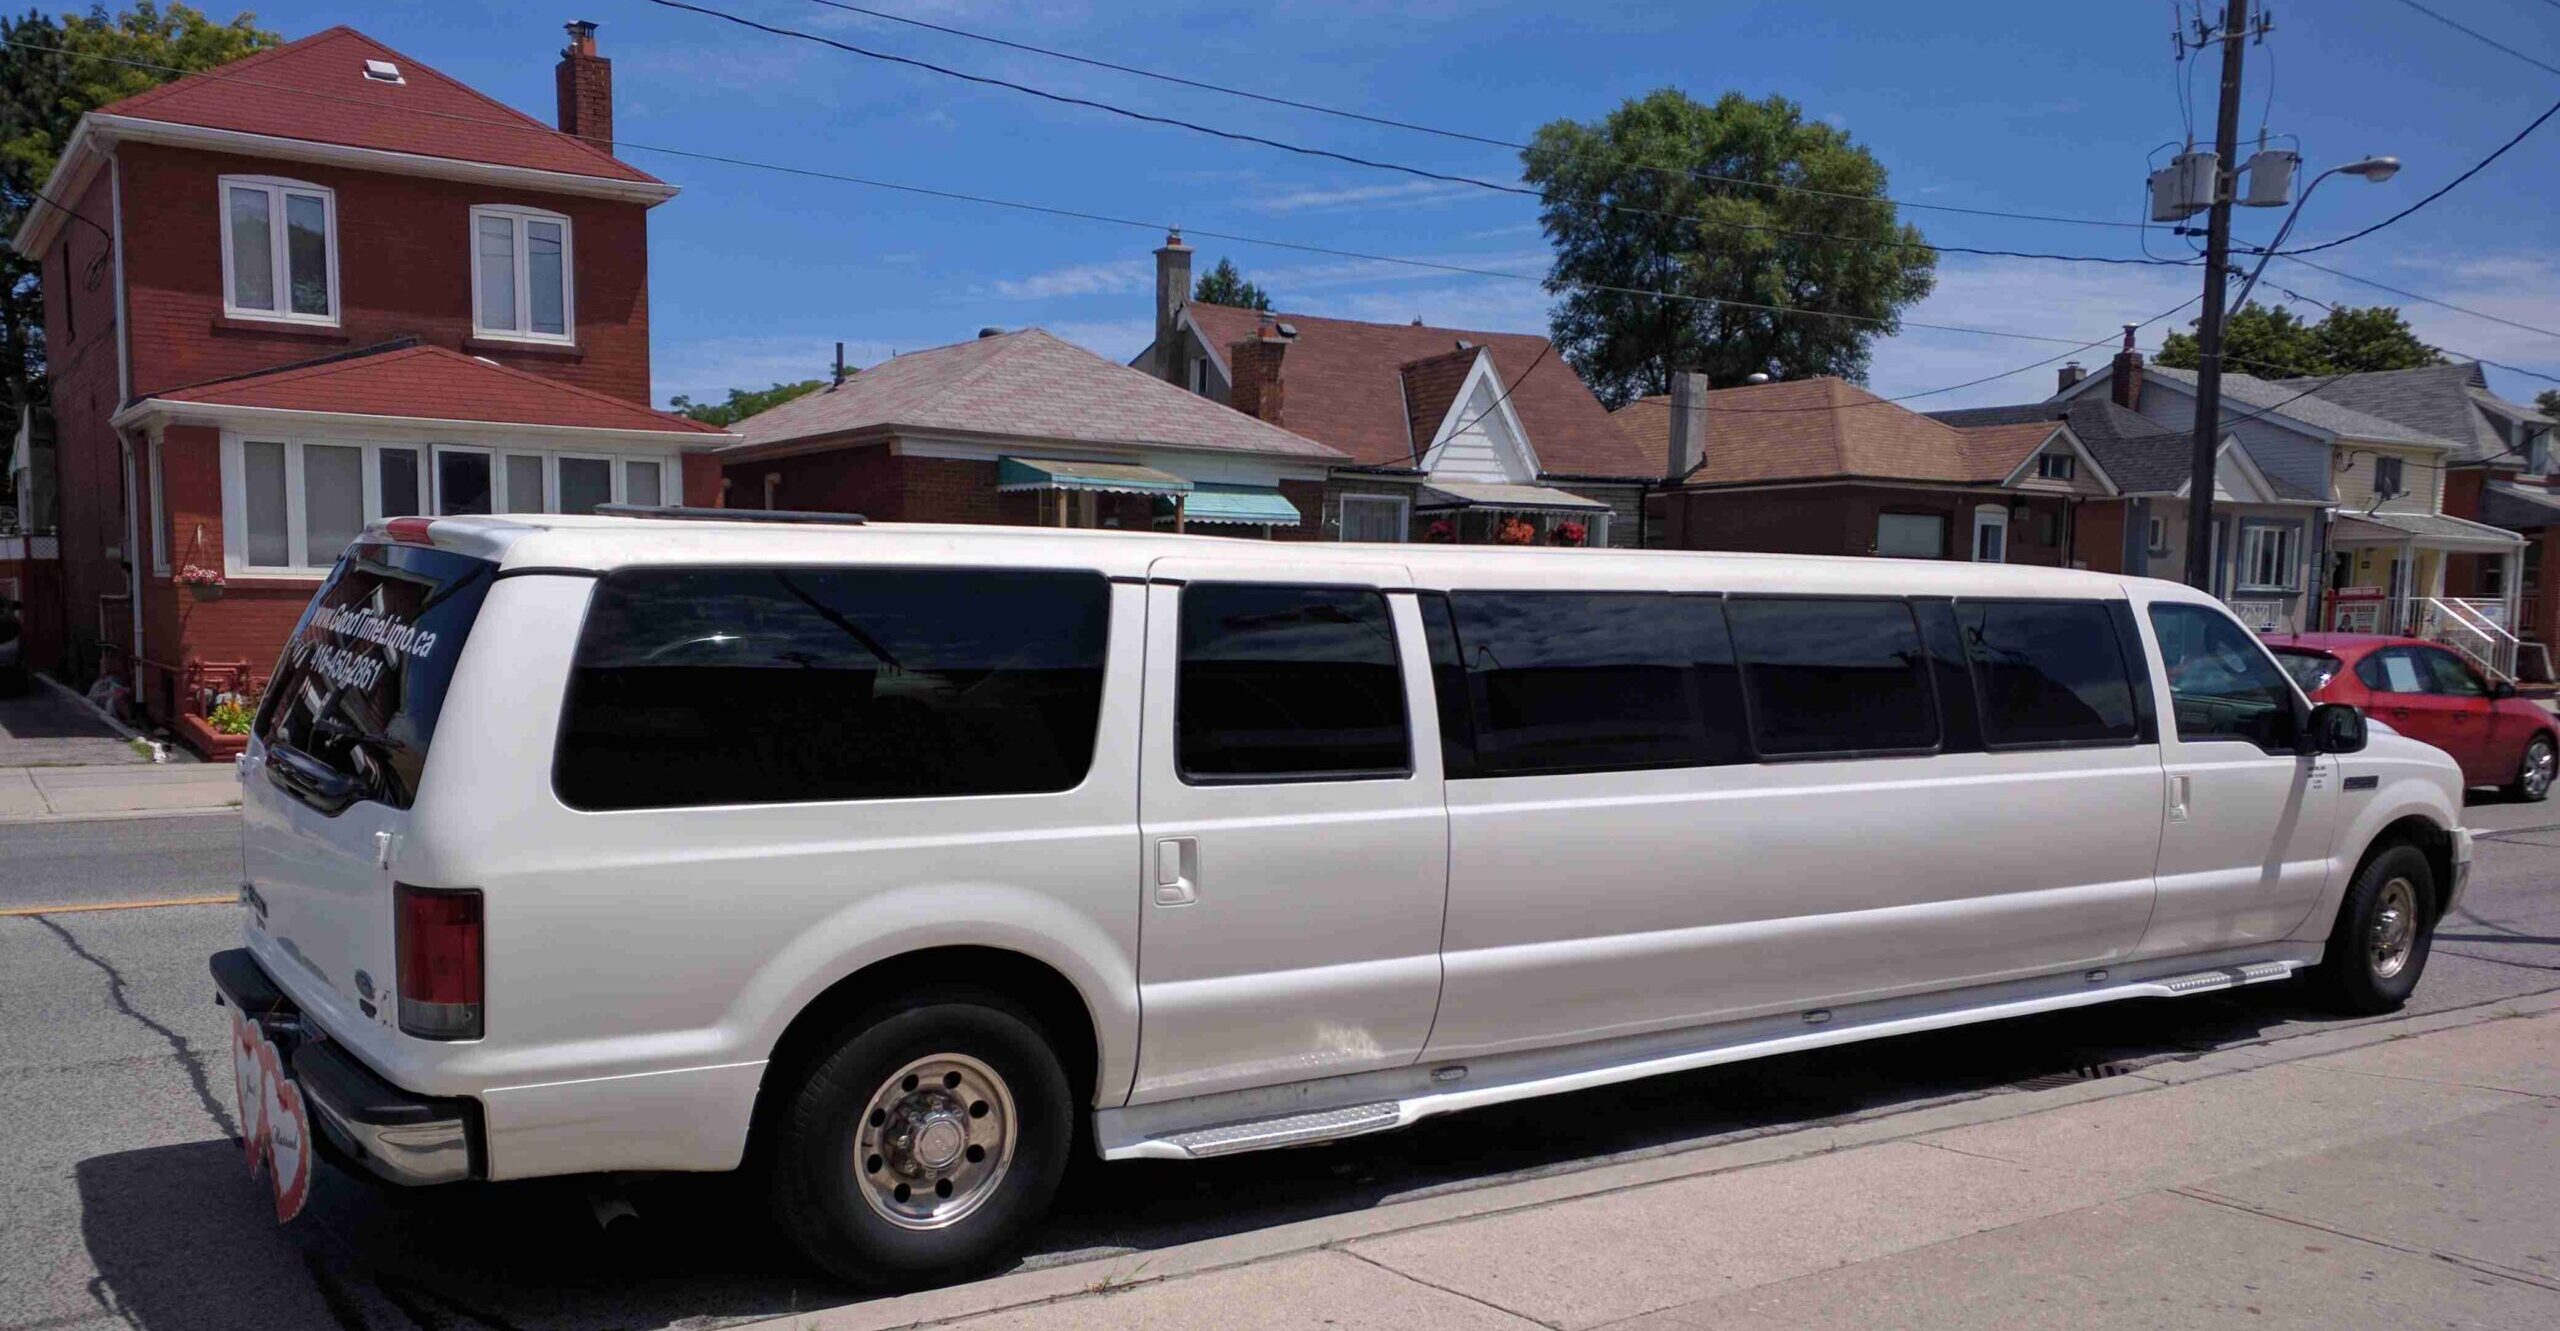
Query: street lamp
{"points": [[2373, 169]]}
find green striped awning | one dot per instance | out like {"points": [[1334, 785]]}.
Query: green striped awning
{"points": [[1253, 505], [1108, 477]]}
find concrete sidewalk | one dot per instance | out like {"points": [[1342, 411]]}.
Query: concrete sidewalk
{"points": [[2397, 1174], [37, 794]]}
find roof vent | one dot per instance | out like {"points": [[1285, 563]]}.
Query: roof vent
{"points": [[1287, 330], [383, 71], [1465, 345], [990, 331]]}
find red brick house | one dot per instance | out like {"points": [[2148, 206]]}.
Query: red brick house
{"points": [[322, 285]]}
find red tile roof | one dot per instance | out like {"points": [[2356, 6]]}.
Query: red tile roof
{"points": [[1827, 428], [430, 383], [1345, 387], [315, 89]]}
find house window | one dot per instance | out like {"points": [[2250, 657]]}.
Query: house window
{"points": [[1374, 517], [1200, 375], [1991, 534], [291, 506], [2057, 466], [2388, 480], [2155, 536], [279, 250], [1911, 535], [520, 274], [2270, 557]]}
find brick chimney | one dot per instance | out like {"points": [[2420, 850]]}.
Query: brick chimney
{"points": [[1688, 424], [2070, 374], [1173, 291], [2126, 372], [585, 82], [1256, 362]]}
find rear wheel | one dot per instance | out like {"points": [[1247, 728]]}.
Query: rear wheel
{"points": [[2533, 774], [925, 1144], [2386, 924]]}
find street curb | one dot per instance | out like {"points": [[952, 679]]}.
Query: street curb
{"points": [[1761, 1147], [118, 815]]}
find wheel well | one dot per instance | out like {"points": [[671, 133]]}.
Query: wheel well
{"points": [[1044, 995], [2430, 840]]}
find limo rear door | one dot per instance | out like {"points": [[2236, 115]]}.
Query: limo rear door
{"points": [[1295, 856]]}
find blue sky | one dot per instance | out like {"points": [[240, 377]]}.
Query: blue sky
{"points": [[2047, 109]]}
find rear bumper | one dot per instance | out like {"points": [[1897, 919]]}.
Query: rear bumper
{"points": [[365, 1122]]}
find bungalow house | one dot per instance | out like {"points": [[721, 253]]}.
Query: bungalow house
{"points": [[1446, 433], [2386, 551], [1822, 466], [2499, 473], [1024, 429]]}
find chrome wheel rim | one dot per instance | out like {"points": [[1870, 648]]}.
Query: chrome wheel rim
{"points": [[2539, 763], [935, 1141], [2395, 928]]}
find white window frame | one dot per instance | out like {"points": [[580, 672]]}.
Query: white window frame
{"points": [[1402, 506], [1886, 515], [502, 496], [666, 475], [1993, 517], [159, 512], [523, 331], [235, 499], [2155, 536], [435, 475], [613, 476], [2052, 466], [2288, 542], [278, 248]]}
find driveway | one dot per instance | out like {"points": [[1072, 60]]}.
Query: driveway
{"points": [[42, 728]]}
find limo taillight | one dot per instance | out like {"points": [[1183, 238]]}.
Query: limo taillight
{"points": [[441, 971]]}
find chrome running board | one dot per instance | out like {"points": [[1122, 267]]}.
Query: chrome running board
{"points": [[1307, 1112]]}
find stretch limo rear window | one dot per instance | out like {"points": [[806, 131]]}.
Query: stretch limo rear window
{"points": [[354, 700], [1597, 681], [776, 685], [1834, 676], [2048, 673]]}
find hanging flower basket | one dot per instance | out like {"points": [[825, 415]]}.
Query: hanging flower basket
{"points": [[205, 584], [1569, 533], [1515, 531]]}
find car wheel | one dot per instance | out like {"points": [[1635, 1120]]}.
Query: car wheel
{"points": [[2385, 927], [2534, 773], [924, 1144]]}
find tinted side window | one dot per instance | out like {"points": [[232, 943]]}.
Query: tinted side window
{"points": [[772, 685], [1288, 683], [2048, 672], [2221, 684], [1598, 681], [1833, 676]]}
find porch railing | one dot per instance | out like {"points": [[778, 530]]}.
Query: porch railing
{"points": [[2461, 626]]}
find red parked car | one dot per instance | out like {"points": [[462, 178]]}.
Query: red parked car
{"points": [[2431, 694]]}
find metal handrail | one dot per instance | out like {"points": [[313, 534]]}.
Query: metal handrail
{"points": [[2457, 625]]}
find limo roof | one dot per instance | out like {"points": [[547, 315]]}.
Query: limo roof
{"points": [[531, 543]]}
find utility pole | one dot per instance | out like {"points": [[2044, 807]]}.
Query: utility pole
{"points": [[2217, 260]]}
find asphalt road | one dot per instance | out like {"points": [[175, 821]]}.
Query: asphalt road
{"points": [[128, 1201]]}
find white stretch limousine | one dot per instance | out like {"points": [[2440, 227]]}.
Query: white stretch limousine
{"points": [[897, 859]]}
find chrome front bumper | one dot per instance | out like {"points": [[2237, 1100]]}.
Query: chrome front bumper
{"points": [[2461, 871], [365, 1122]]}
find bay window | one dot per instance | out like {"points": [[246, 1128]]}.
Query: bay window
{"points": [[290, 506], [520, 275], [279, 250]]}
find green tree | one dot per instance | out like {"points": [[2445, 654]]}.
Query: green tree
{"points": [[2548, 402], [1223, 285], [744, 402], [2271, 342], [51, 73], [1710, 229]]}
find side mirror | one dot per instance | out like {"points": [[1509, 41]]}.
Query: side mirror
{"points": [[2501, 689], [2335, 727]]}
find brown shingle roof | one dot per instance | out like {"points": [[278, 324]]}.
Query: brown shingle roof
{"points": [[1430, 385], [1345, 382], [1827, 428], [431, 383], [1028, 384]]}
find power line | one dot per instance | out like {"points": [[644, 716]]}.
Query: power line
{"points": [[2499, 365], [1373, 163], [2440, 192], [530, 126], [1462, 136], [2412, 295], [2483, 38]]}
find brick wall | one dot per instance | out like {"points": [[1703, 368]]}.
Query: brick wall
{"points": [[1839, 520], [404, 269], [80, 337]]}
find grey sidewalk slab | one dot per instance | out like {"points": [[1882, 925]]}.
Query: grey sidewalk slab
{"points": [[79, 791], [1313, 1290], [19, 797], [2158, 1260], [2502, 1055]]}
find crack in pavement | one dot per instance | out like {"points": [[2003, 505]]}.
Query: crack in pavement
{"points": [[2475, 1264], [188, 1059]]}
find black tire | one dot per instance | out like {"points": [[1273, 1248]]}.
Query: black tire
{"points": [[2358, 975], [2534, 772], [818, 1165]]}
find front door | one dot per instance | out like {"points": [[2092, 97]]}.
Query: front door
{"points": [[2245, 842], [1296, 850]]}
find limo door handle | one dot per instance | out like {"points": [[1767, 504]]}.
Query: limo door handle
{"points": [[2178, 792], [1177, 865]]}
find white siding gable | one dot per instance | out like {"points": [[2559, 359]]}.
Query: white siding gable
{"points": [[1479, 439]]}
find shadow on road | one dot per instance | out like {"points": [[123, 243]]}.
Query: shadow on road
{"points": [[182, 1238]]}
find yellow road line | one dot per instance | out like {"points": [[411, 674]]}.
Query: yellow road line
{"points": [[118, 905]]}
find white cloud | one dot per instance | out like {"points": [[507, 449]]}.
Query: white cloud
{"points": [[1403, 194], [2087, 303], [1114, 277], [708, 369], [1111, 339]]}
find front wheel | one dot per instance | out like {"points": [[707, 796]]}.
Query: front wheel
{"points": [[925, 1145], [2385, 927], [2533, 775]]}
